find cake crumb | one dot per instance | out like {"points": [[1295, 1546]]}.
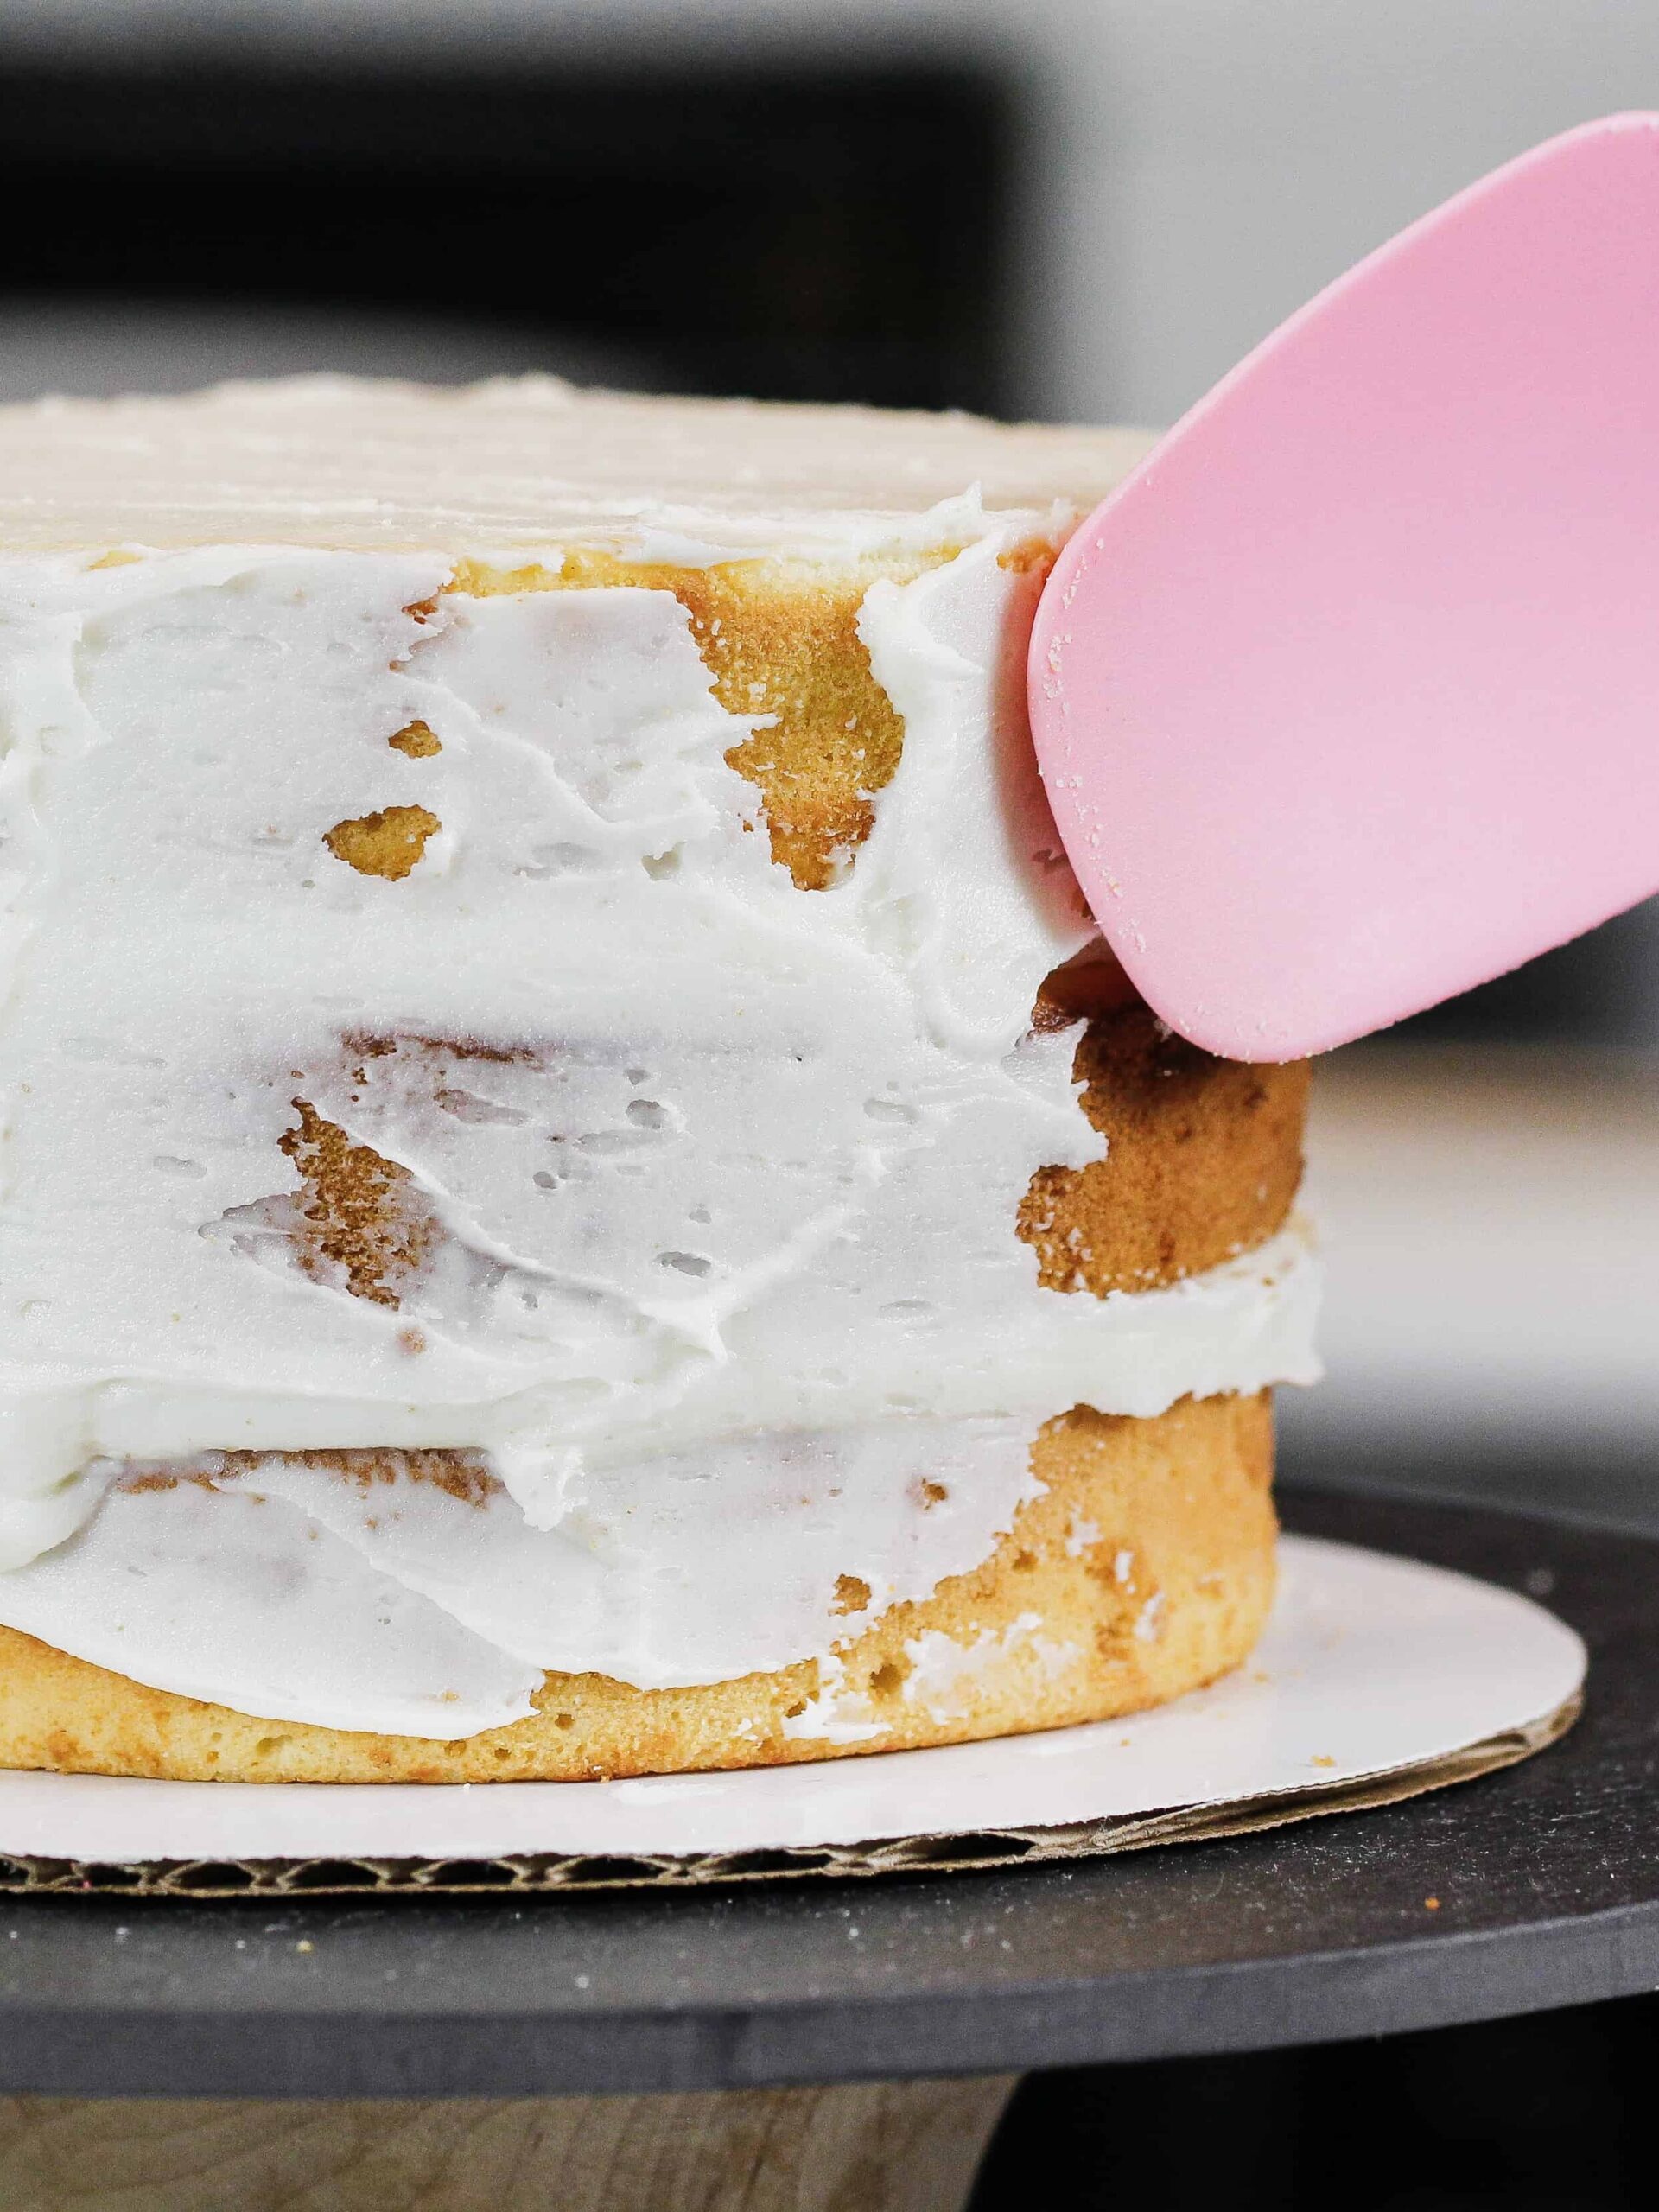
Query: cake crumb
{"points": [[419, 741], [389, 843]]}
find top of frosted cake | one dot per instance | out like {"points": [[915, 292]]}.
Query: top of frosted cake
{"points": [[514, 466]]}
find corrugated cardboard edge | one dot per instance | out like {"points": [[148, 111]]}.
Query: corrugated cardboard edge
{"points": [[1003, 1846]]}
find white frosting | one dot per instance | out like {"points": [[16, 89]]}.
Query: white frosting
{"points": [[512, 466], [719, 1178], [240, 1601]]}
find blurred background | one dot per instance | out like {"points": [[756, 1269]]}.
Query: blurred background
{"points": [[1069, 208], [1079, 208], [1085, 209]]}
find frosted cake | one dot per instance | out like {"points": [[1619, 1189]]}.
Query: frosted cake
{"points": [[578, 1197]]}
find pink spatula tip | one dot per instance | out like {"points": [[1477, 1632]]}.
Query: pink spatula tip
{"points": [[1348, 699]]}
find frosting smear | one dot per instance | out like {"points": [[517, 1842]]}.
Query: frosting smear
{"points": [[408, 1041]]}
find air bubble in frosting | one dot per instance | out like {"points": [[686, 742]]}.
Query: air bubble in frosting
{"points": [[685, 1263], [891, 1109]]}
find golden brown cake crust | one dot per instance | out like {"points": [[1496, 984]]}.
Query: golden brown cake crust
{"points": [[1144, 1569], [1203, 1160]]}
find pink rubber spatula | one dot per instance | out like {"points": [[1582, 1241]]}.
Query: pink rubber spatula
{"points": [[1347, 698]]}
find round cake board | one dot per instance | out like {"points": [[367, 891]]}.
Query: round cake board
{"points": [[1377, 1678]]}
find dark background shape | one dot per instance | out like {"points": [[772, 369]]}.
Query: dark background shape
{"points": [[812, 232]]}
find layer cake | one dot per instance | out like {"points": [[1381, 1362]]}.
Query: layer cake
{"points": [[581, 1197]]}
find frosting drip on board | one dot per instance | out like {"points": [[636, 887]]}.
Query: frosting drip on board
{"points": [[682, 1199]]}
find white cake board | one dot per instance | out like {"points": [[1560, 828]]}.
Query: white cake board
{"points": [[1376, 1678]]}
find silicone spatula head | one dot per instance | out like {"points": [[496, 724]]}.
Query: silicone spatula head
{"points": [[1349, 698]]}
